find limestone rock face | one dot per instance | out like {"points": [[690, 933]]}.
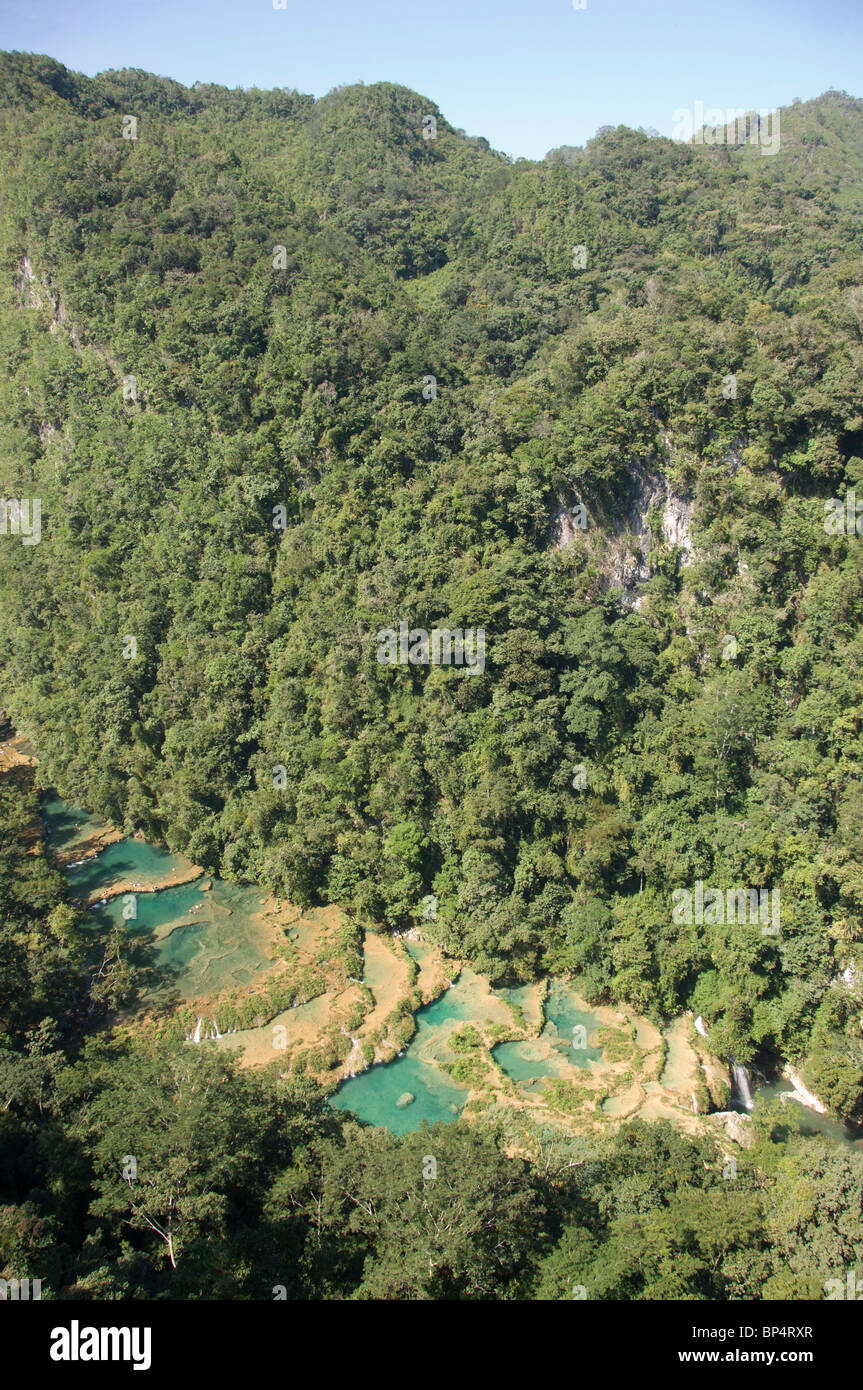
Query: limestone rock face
{"points": [[802, 1094], [737, 1127], [620, 545]]}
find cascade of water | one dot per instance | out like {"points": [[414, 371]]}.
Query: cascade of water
{"points": [[197, 1034], [741, 1082]]}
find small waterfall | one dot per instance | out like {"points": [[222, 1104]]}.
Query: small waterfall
{"points": [[211, 1031], [699, 1026], [741, 1084], [694, 1102]]}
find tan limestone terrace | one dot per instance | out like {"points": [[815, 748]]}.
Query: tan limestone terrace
{"points": [[313, 992]]}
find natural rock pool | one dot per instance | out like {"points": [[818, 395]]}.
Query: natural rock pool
{"points": [[206, 936], [373, 1095]]}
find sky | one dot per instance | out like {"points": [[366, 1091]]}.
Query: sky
{"points": [[528, 76]]}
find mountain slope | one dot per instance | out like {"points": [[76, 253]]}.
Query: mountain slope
{"points": [[276, 280]]}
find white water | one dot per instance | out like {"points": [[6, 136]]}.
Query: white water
{"points": [[741, 1084]]}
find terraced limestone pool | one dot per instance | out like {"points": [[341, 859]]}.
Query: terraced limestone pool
{"points": [[203, 937], [260, 1045], [203, 940], [678, 1069], [374, 1095], [569, 1025], [563, 1043], [206, 936], [65, 825], [527, 999], [527, 1061], [126, 862], [377, 966]]}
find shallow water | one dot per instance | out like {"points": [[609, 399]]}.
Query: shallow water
{"points": [[168, 907], [127, 861], [619, 1105], [471, 999], [197, 942], [568, 1028], [372, 1095], [204, 941], [526, 998], [65, 825], [221, 944], [565, 1013], [305, 935], [378, 965], [809, 1121], [528, 1061], [264, 1044]]}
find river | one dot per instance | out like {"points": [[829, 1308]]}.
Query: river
{"points": [[206, 936]]}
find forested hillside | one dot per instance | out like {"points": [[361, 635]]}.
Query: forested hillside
{"points": [[218, 342], [138, 1171]]}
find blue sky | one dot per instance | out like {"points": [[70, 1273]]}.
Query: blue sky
{"points": [[527, 75]]}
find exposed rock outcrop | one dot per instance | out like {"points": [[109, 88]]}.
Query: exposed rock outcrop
{"points": [[800, 1093], [736, 1126], [622, 547]]}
